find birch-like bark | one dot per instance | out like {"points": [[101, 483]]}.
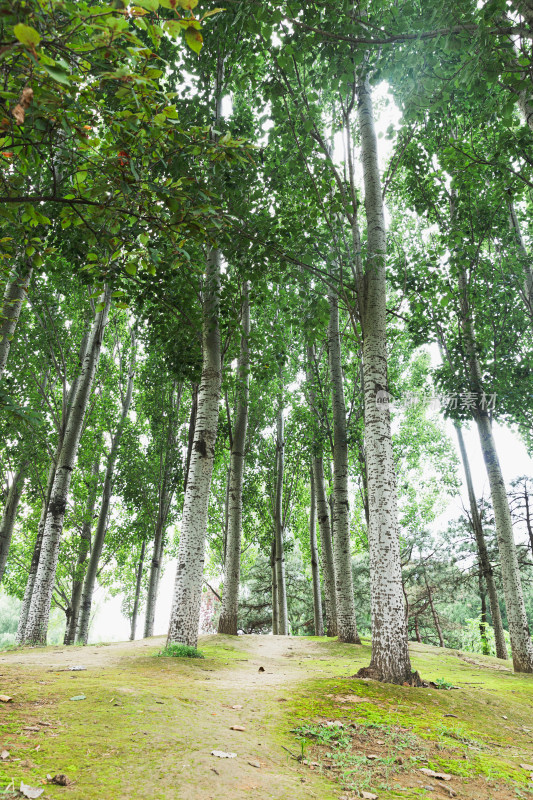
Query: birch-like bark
{"points": [[230, 599], [521, 644], [13, 299], [326, 546], [82, 635], [135, 612], [484, 560], [281, 583], [185, 613], [7, 523], [84, 549], [30, 583], [317, 597], [274, 579], [38, 616], [390, 653], [342, 552]]}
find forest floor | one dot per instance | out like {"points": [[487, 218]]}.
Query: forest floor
{"points": [[131, 725]]}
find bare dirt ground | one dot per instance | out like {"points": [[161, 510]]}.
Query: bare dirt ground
{"points": [[190, 705]]}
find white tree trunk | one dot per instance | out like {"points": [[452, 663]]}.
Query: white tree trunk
{"points": [[317, 597], [185, 613], [326, 546], [39, 612], [155, 564], [274, 579], [7, 523], [84, 548], [82, 635], [390, 653], [342, 550], [14, 295], [230, 599], [521, 644], [136, 603], [281, 583], [486, 567]]}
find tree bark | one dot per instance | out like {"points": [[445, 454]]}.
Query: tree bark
{"points": [[230, 599], [84, 548], [13, 299], [342, 552], [390, 652], [39, 612], [185, 613], [275, 625], [434, 614], [484, 560], [7, 523], [135, 611], [324, 525], [281, 584], [317, 598], [521, 644], [326, 547], [82, 635], [527, 289]]}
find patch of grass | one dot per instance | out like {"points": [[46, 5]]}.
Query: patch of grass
{"points": [[180, 651]]}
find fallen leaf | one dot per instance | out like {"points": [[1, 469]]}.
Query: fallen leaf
{"points": [[4, 698], [528, 767], [222, 754], [255, 764], [372, 756], [335, 723], [369, 796], [77, 669], [27, 764], [4, 754], [44, 724], [31, 728], [78, 697], [441, 776], [30, 791], [237, 708], [237, 728], [60, 780]]}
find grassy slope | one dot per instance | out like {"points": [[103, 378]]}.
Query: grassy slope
{"points": [[147, 725]]}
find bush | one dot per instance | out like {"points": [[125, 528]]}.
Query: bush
{"points": [[180, 651]]}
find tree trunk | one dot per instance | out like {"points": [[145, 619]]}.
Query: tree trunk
{"points": [[14, 295], [326, 546], [67, 407], [346, 622], [525, 260], [521, 644], [317, 598], [324, 526], [417, 630], [135, 611], [275, 625], [84, 548], [185, 613], [281, 583], [483, 617], [486, 566], [7, 523], [166, 493], [230, 599], [37, 624], [390, 652], [434, 614], [101, 525]]}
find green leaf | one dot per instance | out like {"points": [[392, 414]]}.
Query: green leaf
{"points": [[194, 39], [188, 4], [150, 5], [26, 34], [58, 75], [131, 269]]}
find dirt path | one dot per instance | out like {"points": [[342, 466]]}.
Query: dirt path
{"points": [[171, 713]]}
